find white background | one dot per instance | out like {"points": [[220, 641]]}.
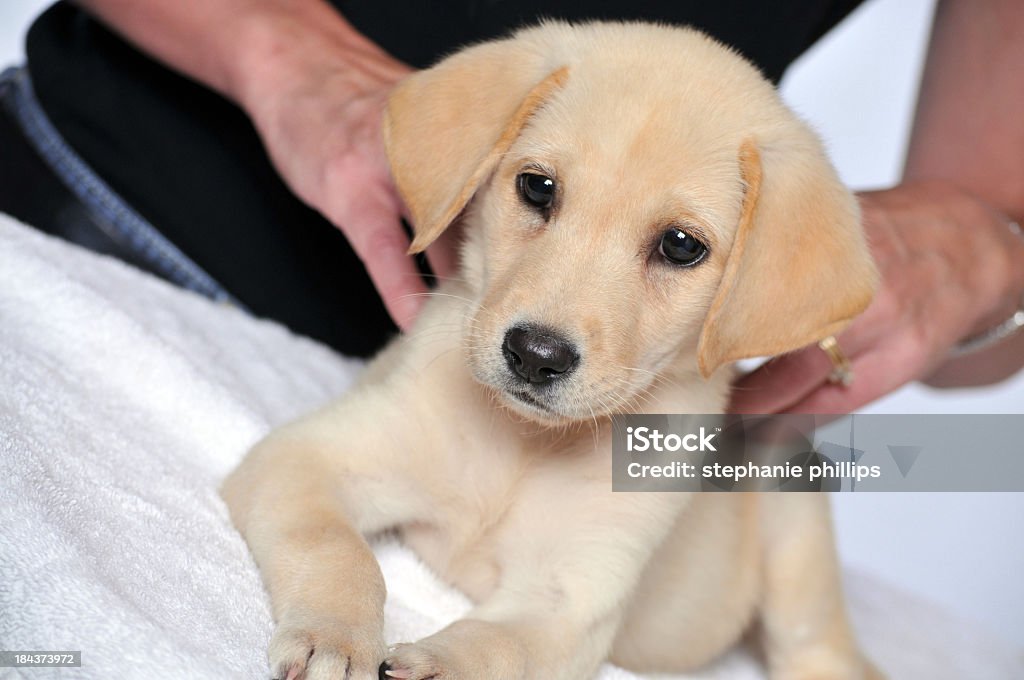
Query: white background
{"points": [[857, 87]]}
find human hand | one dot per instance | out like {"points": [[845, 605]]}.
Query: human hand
{"points": [[321, 124], [315, 89], [950, 268]]}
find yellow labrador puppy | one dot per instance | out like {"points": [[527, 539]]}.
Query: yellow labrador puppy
{"points": [[640, 210]]}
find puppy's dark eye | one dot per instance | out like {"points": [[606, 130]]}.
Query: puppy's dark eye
{"points": [[537, 190], [680, 248]]}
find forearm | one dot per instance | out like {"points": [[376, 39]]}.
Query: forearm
{"points": [[243, 49], [969, 127], [315, 90]]}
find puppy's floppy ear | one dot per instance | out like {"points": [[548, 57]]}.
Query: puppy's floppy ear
{"points": [[799, 269], [446, 128]]}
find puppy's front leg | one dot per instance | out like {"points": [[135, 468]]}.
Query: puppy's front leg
{"points": [[303, 498], [563, 589]]}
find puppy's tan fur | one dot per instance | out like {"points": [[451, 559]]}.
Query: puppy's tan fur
{"points": [[643, 128]]}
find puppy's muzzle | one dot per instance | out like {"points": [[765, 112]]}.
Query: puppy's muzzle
{"points": [[538, 356]]}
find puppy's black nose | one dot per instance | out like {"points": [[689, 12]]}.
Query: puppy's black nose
{"points": [[538, 356]]}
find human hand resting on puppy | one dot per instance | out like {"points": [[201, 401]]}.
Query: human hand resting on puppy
{"points": [[951, 269], [315, 89]]}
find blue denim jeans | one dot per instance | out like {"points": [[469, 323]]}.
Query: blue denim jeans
{"points": [[115, 216]]}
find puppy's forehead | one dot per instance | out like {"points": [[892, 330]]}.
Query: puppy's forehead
{"points": [[651, 149], [611, 60], [663, 114]]}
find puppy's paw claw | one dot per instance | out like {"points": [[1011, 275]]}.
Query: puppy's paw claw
{"points": [[388, 672], [415, 662]]}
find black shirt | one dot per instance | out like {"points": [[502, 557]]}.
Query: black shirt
{"points": [[191, 163]]}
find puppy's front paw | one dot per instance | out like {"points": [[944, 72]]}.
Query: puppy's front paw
{"points": [[318, 649], [465, 650]]}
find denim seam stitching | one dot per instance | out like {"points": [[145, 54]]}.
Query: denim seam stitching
{"points": [[94, 192]]}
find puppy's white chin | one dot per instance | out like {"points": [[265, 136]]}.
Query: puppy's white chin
{"points": [[529, 406], [541, 412]]}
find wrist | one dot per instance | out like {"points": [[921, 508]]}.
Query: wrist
{"points": [[990, 354], [277, 50]]}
